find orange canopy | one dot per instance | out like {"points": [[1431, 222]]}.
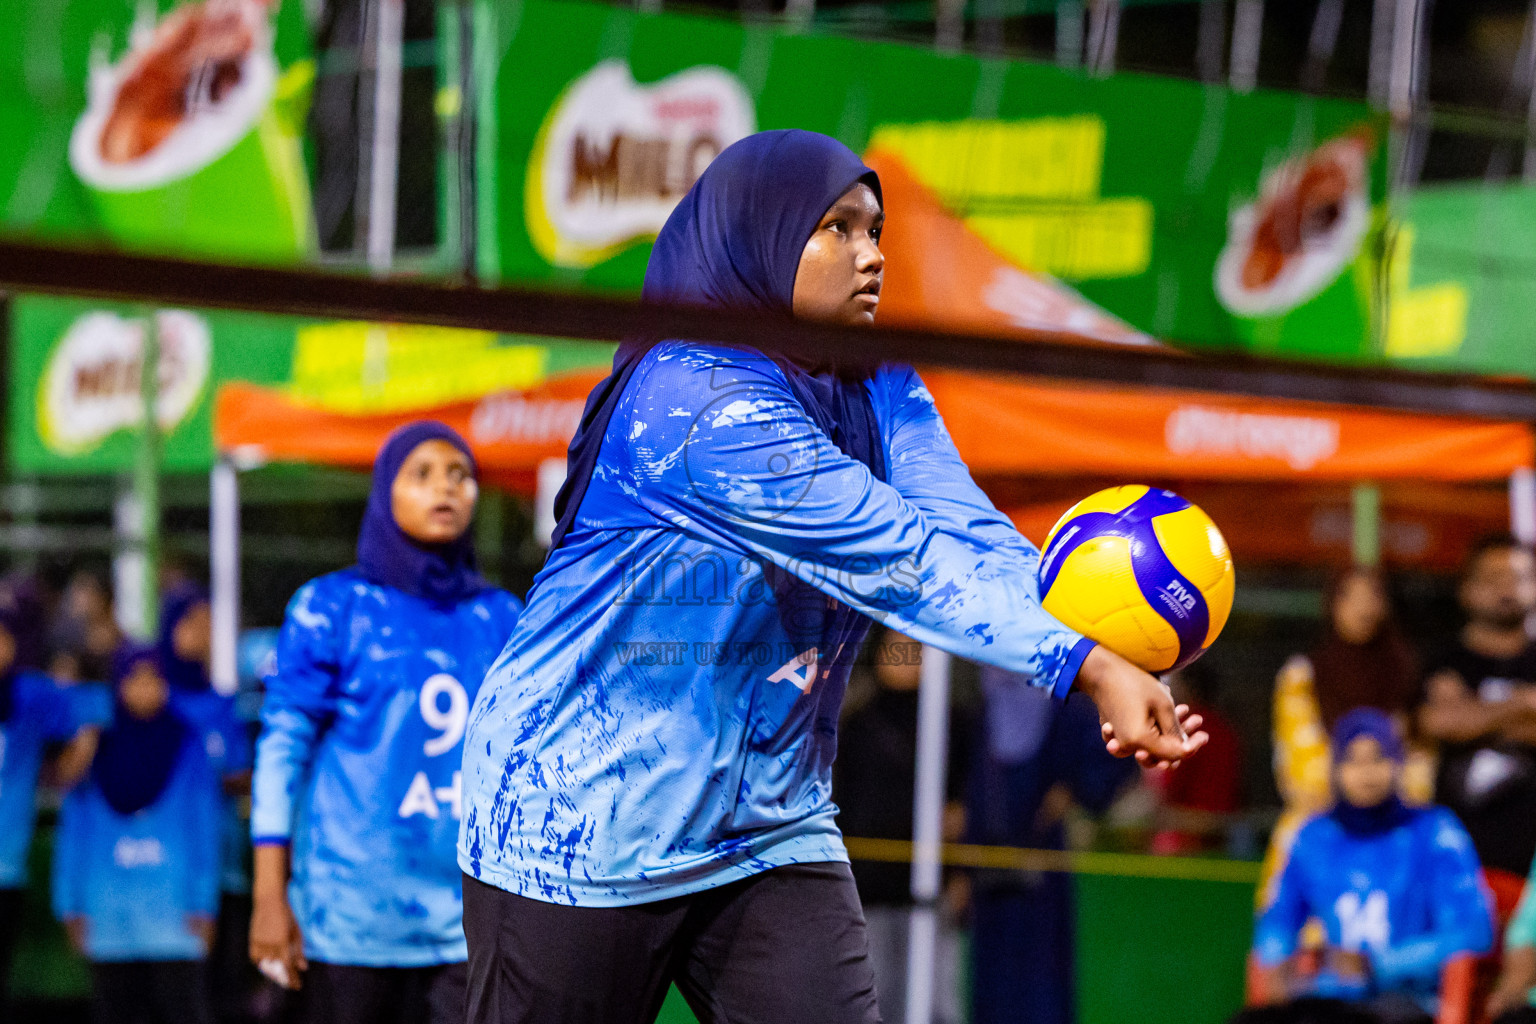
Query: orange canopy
{"points": [[1012, 426]]}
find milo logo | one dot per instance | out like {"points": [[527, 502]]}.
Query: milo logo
{"points": [[614, 157], [90, 388]]}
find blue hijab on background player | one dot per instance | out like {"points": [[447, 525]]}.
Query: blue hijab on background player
{"points": [[734, 242], [441, 573]]}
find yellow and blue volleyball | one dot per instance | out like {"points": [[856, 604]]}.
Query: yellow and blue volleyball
{"points": [[1141, 571]]}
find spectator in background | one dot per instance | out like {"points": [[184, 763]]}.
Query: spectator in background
{"points": [[1479, 702], [34, 712], [135, 872], [1396, 889], [1197, 798], [1362, 660], [1037, 756], [873, 782], [85, 630], [185, 648]]}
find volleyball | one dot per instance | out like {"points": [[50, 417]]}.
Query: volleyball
{"points": [[1141, 571]]}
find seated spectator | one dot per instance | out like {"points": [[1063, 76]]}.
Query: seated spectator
{"points": [[136, 862], [1480, 705], [1198, 798], [1513, 999], [35, 712], [1362, 659], [1396, 890]]}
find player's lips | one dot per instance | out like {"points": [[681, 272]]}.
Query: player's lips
{"points": [[869, 294]]}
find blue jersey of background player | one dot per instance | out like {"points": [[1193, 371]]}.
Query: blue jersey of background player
{"points": [[357, 764], [35, 712], [1397, 889], [661, 727], [136, 866]]}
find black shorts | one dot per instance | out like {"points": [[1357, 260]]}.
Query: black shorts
{"points": [[346, 994], [783, 947]]}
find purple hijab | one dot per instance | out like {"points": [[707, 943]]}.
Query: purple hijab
{"points": [[1391, 812], [734, 242], [137, 756], [440, 573]]}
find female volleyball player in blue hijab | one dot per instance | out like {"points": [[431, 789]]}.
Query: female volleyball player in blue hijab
{"points": [[356, 791], [648, 765], [136, 861], [1397, 889]]}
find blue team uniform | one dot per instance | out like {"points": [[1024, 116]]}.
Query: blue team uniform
{"points": [[137, 877], [44, 712], [358, 763], [227, 742], [664, 717], [1409, 897]]}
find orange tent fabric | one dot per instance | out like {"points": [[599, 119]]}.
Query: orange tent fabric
{"points": [[511, 432], [1014, 426]]}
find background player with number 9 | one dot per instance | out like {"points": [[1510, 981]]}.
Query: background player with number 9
{"points": [[356, 792]]}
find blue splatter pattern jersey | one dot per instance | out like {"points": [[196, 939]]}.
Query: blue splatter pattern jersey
{"points": [[358, 763], [664, 716], [1408, 898], [44, 712]]}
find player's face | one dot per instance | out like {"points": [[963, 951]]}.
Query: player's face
{"points": [[1366, 775], [144, 692], [841, 269], [1500, 588], [1359, 609], [193, 635], [433, 497]]}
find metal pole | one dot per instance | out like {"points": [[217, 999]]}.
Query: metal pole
{"points": [[1210, 43], [138, 513], [551, 476], [1247, 34], [1522, 504], [1528, 168], [1322, 44], [384, 159], [1103, 35], [1069, 34], [224, 574], [1365, 504], [927, 832], [948, 25], [1379, 73]]}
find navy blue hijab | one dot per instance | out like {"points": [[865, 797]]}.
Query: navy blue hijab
{"points": [[734, 242], [137, 756], [440, 573], [1391, 812], [184, 674]]}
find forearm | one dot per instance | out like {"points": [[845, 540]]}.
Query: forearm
{"points": [[1462, 721], [270, 873], [74, 761]]}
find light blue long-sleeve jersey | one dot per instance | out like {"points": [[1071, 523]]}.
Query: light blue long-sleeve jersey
{"points": [[1409, 898], [664, 716], [227, 742], [137, 878], [43, 712], [358, 763]]}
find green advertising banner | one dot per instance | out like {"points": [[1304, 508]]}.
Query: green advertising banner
{"points": [[298, 390], [167, 126], [1172, 209], [1461, 288]]}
